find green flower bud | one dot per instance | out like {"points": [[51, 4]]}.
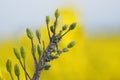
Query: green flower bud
{"points": [[64, 27], [52, 56], [60, 33], [59, 52], [39, 49], [47, 19], [29, 33], [9, 65], [52, 29], [71, 44], [65, 49], [16, 52], [38, 34], [17, 70], [57, 13], [72, 26], [47, 66], [22, 50], [56, 56]]}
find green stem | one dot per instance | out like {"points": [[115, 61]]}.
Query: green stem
{"points": [[65, 33], [18, 77], [55, 25], [11, 76], [25, 68], [48, 31], [33, 53]]}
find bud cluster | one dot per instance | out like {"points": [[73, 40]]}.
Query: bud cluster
{"points": [[45, 54]]}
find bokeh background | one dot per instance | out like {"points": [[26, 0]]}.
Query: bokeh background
{"points": [[96, 55]]}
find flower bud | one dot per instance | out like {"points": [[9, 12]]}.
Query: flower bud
{"points": [[17, 70], [29, 33], [59, 51], [72, 26], [56, 56], [9, 65], [38, 34], [65, 49], [39, 49], [64, 27], [22, 50], [52, 56], [71, 44], [47, 19], [52, 29], [47, 66], [57, 13], [16, 52], [60, 33]]}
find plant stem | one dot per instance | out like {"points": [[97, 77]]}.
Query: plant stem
{"points": [[48, 31], [54, 39], [33, 53], [42, 60], [65, 33], [46, 52], [18, 78], [55, 25], [11, 76], [25, 69]]}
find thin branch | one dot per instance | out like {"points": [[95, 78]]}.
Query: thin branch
{"points": [[11, 76], [55, 25], [18, 78], [42, 60], [24, 69], [33, 53], [57, 47], [65, 33], [48, 31]]}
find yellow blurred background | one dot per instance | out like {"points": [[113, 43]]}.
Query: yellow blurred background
{"points": [[95, 57]]}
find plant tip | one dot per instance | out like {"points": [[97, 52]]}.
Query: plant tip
{"points": [[57, 13], [29, 33], [72, 26]]}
